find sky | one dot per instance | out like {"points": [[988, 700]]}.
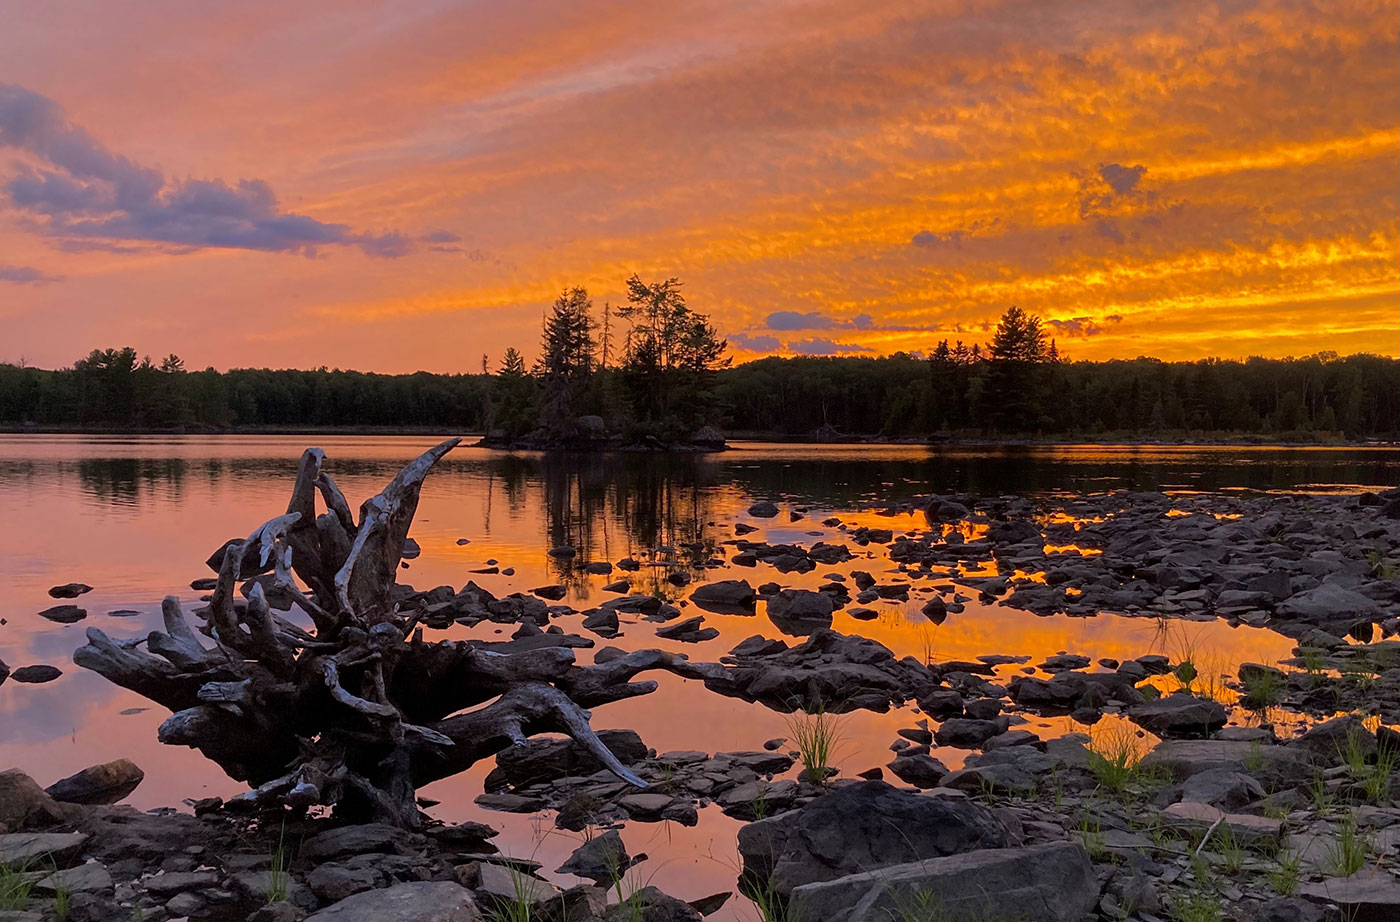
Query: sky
{"points": [[406, 185]]}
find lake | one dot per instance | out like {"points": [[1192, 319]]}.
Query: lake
{"points": [[136, 517]]}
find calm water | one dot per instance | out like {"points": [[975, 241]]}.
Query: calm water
{"points": [[136, 517]]}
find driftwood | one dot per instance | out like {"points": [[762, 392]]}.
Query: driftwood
{"points": [[358, 712]]}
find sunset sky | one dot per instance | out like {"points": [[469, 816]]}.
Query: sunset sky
{"points": [[405, 185]]}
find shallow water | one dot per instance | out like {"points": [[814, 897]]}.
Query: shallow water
{"points": [[136, 517]]}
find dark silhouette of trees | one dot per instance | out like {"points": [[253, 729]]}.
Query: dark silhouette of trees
{"points": [[670, 356], [1014, 396], [568, 356]]}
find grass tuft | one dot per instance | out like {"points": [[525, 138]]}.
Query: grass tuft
{"points": [[816, 732]]}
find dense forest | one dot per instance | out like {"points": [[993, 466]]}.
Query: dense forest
{"points": [[663, 372]]}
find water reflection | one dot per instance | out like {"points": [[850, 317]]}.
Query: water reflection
{"points": [[137, 517]]}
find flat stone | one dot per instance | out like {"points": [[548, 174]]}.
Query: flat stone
{"points": [[1370, 895], [1049, 883], [83, 878], [36, 675], [354, 840], [64, 614], [422, 901], [58, 849]]}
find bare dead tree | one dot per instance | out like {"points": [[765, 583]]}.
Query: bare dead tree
{"points": [[360, 711]]}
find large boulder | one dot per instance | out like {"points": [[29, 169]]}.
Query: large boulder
{"points": [[421, 901], [1329, 604], [1048, 883], [24, 804], [98, 784], [861, 827]]}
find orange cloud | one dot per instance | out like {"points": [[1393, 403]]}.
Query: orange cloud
{"points": [[1219, 178]]}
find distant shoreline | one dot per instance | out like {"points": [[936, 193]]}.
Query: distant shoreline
{"points": [[1240, 441]]}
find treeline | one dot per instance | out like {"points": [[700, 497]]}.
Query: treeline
{"points": [[662, 372]]}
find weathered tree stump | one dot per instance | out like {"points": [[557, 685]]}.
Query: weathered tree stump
{"points": [[359, 712]]}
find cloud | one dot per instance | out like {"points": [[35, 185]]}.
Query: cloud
{"points": [[26, 275], [1111, 182], [819, 346], [1106, 228], [77, 188], [792, 321], [1121, 179], [754, 343], [441, 236], [935, 239], [1081, 327]]}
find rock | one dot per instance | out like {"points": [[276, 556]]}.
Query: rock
{"points": [[422, 901], [799, 612], [562, 551], [1279, 765], [36, 675], [921, 770], [1328, 604], [602, 859], [1331, 740], [355, 840], [763, 510], [1249, 831], [91, 877], [1286, 909], [553, 593], [334, 882], [4, 672], [603, 621], [599, 568], [621, 585], [280, 911], [69, 590], [64, 614], [107, 783], [498, 885], [24, 804], [1179, 715], [859, 827], [724, 596], [644, 806], [966, 732], [651, 905], [1222, 788], [1370, 895], [543, 759], [170, 883], [708, 905], [1054, 882], [41, 849]]}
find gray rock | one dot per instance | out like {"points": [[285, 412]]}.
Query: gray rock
{"points": [[966, 732], [107, 783], [36, 675], [1331, 740], [724, 595], [651, 905], [1370, 895], [800, 611], [69, 590], [64, 614], [23, 803], [355, 840], [334, 882], [920, 770], [1179, 715], [1048, 883], [602, 859], [41, 849], [1281, 765], [425, 901], [763, 510], [1328, 604], [861, 827]]}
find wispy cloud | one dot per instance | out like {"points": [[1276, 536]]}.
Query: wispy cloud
{"points": [[26, 275]]}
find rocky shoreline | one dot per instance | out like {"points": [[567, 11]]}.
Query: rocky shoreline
{"points": [[1271, 796]]}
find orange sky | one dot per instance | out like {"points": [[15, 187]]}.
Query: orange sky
{"points": [[396, 186]]}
